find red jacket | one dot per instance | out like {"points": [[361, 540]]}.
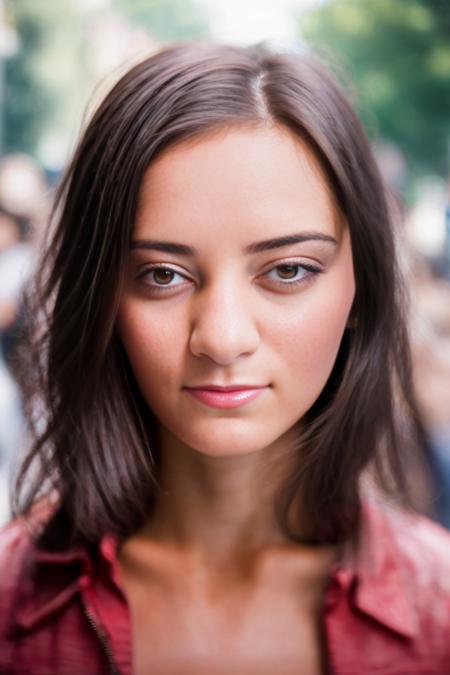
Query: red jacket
{"points": [[386, 611]]}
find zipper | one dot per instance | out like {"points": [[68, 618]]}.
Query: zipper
{"points": [[104, 642]]}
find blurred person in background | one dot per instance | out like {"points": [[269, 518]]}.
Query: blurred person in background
{"points": [[10, 284], [429, 322], [430, 330], [447, 231], [22, 211], [219, 479], [431, 352]]}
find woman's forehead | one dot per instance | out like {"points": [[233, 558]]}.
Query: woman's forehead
{"points": [[256, 180]]}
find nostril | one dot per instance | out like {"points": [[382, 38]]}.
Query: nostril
{"points": [[223, 344]]}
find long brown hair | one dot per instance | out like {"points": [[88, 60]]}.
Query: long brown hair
{"points": [[94, 446]]}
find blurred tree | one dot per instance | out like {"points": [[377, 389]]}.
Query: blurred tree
{"points": [[48, 57], [165, 19], [398, 57], [48, 80]]}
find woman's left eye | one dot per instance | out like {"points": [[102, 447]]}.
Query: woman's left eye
{"points": [[289, 274]]}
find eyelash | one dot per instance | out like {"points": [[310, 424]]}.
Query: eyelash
{"points": [[310, 272]]}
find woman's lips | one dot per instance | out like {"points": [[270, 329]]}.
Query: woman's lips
{"points": [[233, 398]]}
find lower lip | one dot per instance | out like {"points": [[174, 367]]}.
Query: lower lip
{"points": [[226, 399]]}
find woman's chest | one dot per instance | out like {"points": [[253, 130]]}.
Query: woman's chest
{"points": [[247, 630]]}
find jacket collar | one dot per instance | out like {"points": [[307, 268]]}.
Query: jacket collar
{"points": [[56, 578], [376, 576]]}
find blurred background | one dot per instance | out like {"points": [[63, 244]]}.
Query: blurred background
{"points": [[57, 60]]}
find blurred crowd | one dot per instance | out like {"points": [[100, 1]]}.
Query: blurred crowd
{"points": [[429, 278], [24, 204]]}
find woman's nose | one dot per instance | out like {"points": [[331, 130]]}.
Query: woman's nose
{"points": [[222, 325]]}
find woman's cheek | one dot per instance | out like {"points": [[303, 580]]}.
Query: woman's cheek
{"points": [[308, 346], [150, 342]]}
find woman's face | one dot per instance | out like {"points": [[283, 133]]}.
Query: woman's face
{"points": [[240, 275]]}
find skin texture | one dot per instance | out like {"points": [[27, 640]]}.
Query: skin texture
{"points": [[225, 317]]}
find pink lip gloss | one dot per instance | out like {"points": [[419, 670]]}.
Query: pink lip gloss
{"points": [[226, 399]]}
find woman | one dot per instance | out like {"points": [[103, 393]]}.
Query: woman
{"points": [[223, 367]]}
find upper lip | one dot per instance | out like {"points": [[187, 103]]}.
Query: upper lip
{"points": [[230, 387]]}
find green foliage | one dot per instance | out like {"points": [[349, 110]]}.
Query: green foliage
{"points": [[23, 96], [398, 57], [43, 75], [165, 19], [47, 81]]}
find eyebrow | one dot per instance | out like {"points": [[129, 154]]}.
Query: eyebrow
{"points": [[278, 242], [256, 247]]}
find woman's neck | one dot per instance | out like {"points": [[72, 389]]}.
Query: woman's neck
{"points": [[220, 508]]}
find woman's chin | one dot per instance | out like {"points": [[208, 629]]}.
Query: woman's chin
{"points": [[231, 444]]}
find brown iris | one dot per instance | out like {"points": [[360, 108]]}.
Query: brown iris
{"points": [[287, 271], [163, 276]]}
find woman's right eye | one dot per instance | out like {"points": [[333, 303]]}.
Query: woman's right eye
{"points": [[160, 278]]}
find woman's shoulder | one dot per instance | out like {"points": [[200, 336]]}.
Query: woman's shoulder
{"points": [[16, 542], [23, 529], [419, 540], [408, 549], [398, 577], [43, 616], [17, 549]]}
